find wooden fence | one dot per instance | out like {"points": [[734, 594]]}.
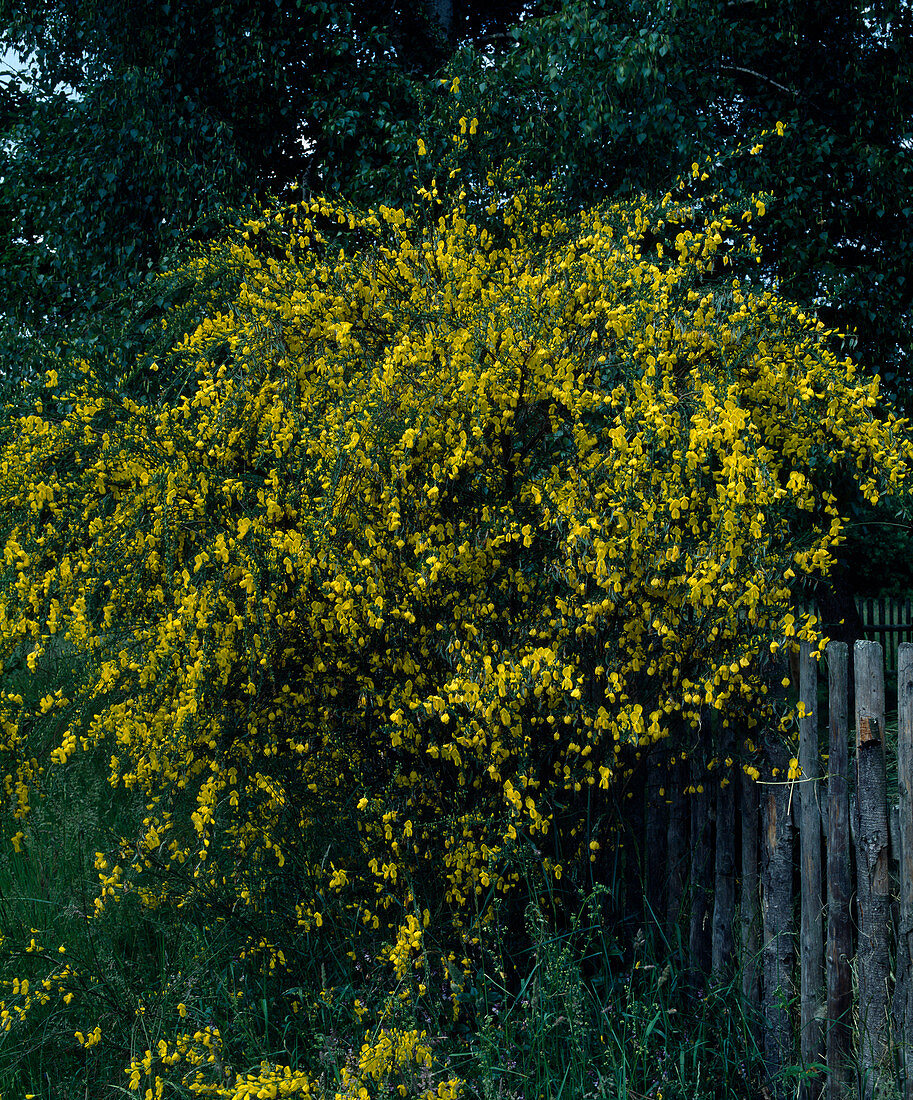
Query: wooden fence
{"points": [[827, 976], [887, 620]]}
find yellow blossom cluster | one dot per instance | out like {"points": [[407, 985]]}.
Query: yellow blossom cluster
{"points": [[389, 1057], [442, 519]]}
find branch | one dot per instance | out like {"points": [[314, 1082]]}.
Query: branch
{"points": [[760, 76]]}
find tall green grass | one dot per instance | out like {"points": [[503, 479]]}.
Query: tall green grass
{"points": [[572, 1014]]}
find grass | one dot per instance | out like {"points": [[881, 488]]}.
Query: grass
{"points": [[572, 1015]]}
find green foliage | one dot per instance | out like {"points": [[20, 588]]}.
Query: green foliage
{"points": [[141, 121], [100, 188], [351, 569], [580, 1018], [608, 99]]}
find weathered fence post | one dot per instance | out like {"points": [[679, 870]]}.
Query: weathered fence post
{"points": [[633, 818], [903, 996], [724, 863], [655, 834], [749, 897], [677, 846], [872, 867], [699, 931], [776, 905], [839, 885], [811, 941]]}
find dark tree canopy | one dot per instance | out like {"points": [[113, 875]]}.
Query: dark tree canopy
{"points": [[143, 120], [182, 108], [612, 98]]}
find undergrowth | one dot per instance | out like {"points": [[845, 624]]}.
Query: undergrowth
{"points": [[560, 1009]]}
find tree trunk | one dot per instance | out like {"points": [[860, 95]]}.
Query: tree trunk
{"points": [[440, 16]]}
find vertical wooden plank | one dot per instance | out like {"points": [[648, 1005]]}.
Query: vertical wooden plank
{"points": [[723, 939], [871, 683], [890, 635], [677, 845], [811, 936], [633, 818], [839, 883], [903, 994], [776, 906], [777, 903], [897, 634], [872, 867], [657, 827], [896, 620], [881, 636], [749, 897], [699, 931]]}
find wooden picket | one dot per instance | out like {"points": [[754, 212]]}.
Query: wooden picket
{"points": [[797, 984], [903, 991], [811, 937], [839, 978], [873, 882], [854, 802]]}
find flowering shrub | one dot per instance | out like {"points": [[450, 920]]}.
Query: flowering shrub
{"points": [[443, 521]]}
